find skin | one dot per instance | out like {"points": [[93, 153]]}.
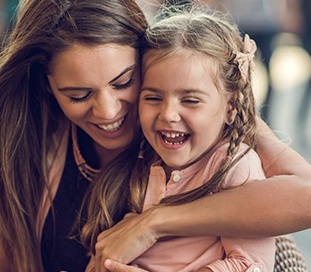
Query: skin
{"points": [[182, 101], [97, 89]]}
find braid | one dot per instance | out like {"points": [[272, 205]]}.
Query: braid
{"points": [[245, 119]]}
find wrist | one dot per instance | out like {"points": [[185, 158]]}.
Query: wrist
{"points": [[159, 223], [166, 221]]}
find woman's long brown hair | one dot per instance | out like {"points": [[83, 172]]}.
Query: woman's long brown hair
{"points": [[29, 114]]}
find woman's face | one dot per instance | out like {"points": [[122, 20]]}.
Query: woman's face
{"points": [[97, 88]]}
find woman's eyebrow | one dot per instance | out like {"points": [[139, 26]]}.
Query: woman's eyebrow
{"points": [[130, 68], [74, 89]]}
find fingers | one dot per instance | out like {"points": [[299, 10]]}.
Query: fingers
{"points": [[114, 266]]}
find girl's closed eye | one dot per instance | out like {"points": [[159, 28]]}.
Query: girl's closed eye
{"points": [[152, 98], [190, 100]]}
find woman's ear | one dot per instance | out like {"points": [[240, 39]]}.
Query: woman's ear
{"points": [[231, 111]]}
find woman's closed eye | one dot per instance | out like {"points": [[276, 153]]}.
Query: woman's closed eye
{"points": [[125, 85], [80, 99]]}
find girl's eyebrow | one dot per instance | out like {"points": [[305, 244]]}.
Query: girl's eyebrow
{"points": [[151, 89], [130, 68], [180, 91]]}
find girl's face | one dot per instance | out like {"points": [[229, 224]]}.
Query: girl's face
{"points": [[182, 113], [97, 88]]}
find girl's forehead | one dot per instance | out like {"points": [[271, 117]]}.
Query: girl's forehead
{"points": [[191, 57]]}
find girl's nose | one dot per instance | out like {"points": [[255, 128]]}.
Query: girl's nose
{"points": [[106, 106], [169, 113]]}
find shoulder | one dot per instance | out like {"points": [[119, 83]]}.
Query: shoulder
{"points": [[247, 168]]}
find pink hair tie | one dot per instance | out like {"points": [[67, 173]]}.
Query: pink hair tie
{"points": [[245, 59]]}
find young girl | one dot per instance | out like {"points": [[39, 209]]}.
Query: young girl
{"points": [[197, 111]]}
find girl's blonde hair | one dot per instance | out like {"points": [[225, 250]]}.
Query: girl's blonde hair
{"points": [[215, 35]]}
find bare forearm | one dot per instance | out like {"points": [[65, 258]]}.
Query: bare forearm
{"points": [[277, 205], [266, 209], [278, 158]]}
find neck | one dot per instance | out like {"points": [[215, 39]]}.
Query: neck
{"points": [[106, 155], [168, 171]]}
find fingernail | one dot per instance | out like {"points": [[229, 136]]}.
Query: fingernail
{"points": [[108, 263]]}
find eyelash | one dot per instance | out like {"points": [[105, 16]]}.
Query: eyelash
{"points": [[188, 101], [125, 85], [191, 101], [117, 87], [80, 100]]}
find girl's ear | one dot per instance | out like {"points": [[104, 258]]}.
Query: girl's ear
{"points": [[231, 111]]}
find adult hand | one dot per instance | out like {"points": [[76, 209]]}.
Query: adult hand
{"points": [[114, 266], [125, 241]]}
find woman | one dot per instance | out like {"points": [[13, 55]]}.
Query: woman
{"points": [[65, 62], [76, 62]]}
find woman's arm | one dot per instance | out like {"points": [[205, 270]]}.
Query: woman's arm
{"points": [[278, 205]]}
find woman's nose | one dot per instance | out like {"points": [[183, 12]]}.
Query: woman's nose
{"points": [[106, 106]]}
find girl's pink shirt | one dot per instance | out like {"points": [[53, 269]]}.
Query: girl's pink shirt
{"points": [[218, 253]]}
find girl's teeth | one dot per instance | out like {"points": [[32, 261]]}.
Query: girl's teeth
{"points": [[173, 134], [112, 127], [170, 143]]}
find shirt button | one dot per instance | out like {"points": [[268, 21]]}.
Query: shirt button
{"points": [[256, 269], [176, 178]]}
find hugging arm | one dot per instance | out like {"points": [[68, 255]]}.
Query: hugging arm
{"points": [[275, 206]]}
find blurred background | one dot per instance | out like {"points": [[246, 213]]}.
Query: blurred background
{"points": [[282, 85]]}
